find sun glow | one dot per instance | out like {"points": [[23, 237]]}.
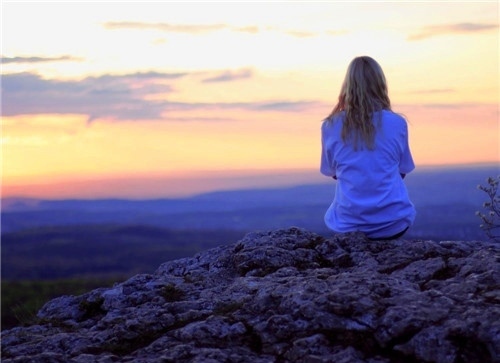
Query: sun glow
{"points": [[155, 90]]}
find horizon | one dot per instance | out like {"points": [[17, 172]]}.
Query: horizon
{"points": [[148, 100], [158, 188]]}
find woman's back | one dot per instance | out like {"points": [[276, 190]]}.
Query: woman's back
{"points": [[370, 194]]}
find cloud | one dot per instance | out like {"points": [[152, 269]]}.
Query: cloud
{"points": [[175, 28], [286, 106], [248, 29], [120, 97], [7, 60], [459, 28], [203, 28], [432, 91], [447, 105], [228, 76], [117, 97], [278, 106], [179, 28], [300, 34]]}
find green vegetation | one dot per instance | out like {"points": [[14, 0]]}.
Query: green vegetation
{"points": [[491, 219], [21, 300]]}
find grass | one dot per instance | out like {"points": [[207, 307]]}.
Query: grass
{"points": [[21, 300]]}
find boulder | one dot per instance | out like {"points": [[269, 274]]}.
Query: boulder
{"points": [[287, 295]]}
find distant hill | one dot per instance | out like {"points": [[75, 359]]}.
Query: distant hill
{"points": [[446, 200]]}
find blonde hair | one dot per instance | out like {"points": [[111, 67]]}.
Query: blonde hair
{"points": [[363, 92]]}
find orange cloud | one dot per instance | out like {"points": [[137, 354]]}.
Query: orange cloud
{"points": [[176, 28], [459, 28]]}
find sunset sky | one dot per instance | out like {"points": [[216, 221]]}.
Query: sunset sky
{"points": [[160, 99]]}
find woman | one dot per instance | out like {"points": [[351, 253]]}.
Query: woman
{"points": [[365, 148]]}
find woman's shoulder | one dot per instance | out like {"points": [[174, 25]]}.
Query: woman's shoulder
{"points": [[334, 118], [394, 117]]}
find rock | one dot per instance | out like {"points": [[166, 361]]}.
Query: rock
{"points": [[285, 296]]}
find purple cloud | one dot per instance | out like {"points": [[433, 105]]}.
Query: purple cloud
{"points": [[285, 106], [460, 28], [119, 97], [7, 60], [228, 76], [115, 96]]}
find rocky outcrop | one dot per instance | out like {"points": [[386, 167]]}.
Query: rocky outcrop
{"points": [[285, 296]]}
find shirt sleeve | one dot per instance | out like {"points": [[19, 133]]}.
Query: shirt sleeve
{"points": [[327, 164], [406, 163]]}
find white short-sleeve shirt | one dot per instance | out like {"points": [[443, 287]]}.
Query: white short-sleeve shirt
{"points": [[370, 195]]}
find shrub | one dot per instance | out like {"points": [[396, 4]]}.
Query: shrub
{"points": [[491, 218]]}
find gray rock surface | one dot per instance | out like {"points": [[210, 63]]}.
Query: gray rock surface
{"points": [[285, 296]]}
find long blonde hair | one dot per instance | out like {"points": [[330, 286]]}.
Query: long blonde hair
{"points": [[363, 92]]}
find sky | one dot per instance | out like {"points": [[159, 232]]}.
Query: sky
{"points": [[161, 99]]}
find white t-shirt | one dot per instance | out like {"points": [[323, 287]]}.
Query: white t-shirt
{"points": [[370, 194]]}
